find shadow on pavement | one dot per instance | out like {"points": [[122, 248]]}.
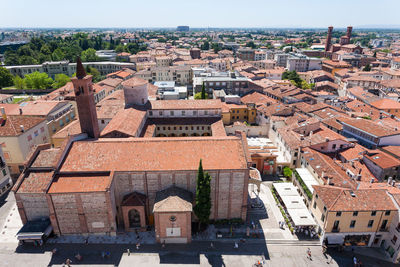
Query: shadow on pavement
{"points": [[172, 254]]}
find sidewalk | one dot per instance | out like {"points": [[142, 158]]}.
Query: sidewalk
{"points": [[272, 230]]}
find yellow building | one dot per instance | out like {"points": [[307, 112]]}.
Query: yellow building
{"points": [[234, 112], [352, 217]]}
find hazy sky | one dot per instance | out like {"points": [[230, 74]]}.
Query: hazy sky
{"points": [[204, 13]]}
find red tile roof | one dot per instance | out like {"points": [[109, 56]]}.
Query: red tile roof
{"points": [[36, 182], [80, 184], [145, 154], [186, 104], [11, 126]]}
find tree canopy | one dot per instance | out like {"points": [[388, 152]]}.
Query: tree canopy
{"points": [[202, 207], [6, 78], [38, 80], [60, 80]]}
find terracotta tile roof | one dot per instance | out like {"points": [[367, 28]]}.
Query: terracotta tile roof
{"points": [[11, 126], [394, 150], [369, 126], [35, 182], [353, 153], [114, 82], [382, 159], [257, 98], [107, 109], [126, 122], [173, 199], [47, 158], [135, 81], [386, 103], [340, 199], [71, 129], [186, 104], [142, 154], [80, 184]]}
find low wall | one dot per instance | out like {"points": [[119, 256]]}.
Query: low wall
{"points": [[25, 91], [261, 130]]}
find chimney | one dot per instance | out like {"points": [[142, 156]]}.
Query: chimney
{"points": [[328, 39], [22, 128], [349, 30]]}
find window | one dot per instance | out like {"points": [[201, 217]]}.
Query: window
{"points": [[61, 123], [355, 213], [315, 205], [352, 224], [338, 214], [29, 137], [387, 212], [171, 113], [42, 129], [394, 240], [373, 213], [370, 223], [6, 155], [194, 112], [324, 209], [160, 113], [4, 172], [384, 224], [36, 133], [151, 113], [183, 112], [333, 146], [205, 112], [323, 217]]}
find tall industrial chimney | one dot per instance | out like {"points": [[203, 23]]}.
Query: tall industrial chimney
{"points": [[328, 39]]}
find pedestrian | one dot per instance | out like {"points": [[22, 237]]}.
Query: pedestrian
{"points": [[128, 251], [68, 262], [137, 245], [236, 245], [355, 261], [212, 245], [163, 244], [87, 240], [309, 254]]}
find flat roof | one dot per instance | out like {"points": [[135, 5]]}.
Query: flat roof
{"points": [[307, 178]]}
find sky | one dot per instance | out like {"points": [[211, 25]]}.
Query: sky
{"points": [[197, 13]]}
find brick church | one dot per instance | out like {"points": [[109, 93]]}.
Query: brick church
{"points": [[139, 171]]}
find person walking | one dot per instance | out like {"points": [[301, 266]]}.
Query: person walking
{"points": [[355, 261], [68, 262], [309, 254], [236, 245], [128, 251], [212, 245], [137, 245]]}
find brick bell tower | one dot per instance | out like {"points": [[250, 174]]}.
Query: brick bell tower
{"points": [[84, 96]]}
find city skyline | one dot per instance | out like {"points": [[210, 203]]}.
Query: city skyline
{"points": [[221, 14]]}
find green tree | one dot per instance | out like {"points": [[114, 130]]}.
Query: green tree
{"points": [[27, 60], [205, 46], [38, 80], [57, 55], [197, 96], [60, 80], [367, 68], [11, 58], [202, 208], [251, 44], [287, 172], [203, 92], [95, 73], [6, 79], [89, 55], [18, 82], [119, 48]]}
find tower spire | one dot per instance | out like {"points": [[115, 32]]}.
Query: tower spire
{"points": [[80, 70]]}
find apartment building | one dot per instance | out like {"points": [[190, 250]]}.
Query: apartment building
{"points": [[18, 135], [352, 217], [65, 67], [302, 63], [5, 177], [238, 112]]}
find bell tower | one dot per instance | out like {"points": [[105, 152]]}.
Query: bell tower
{"points": [[84, 96]]}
